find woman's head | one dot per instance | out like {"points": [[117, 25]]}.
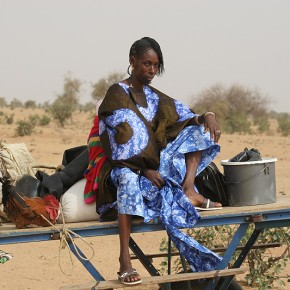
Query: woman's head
{"points": [[149, 48]]}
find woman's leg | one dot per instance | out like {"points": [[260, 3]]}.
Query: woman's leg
{"points": [[124, 236], [192, 160]]}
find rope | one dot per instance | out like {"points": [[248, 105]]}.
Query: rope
{"points": [[67, 235]]}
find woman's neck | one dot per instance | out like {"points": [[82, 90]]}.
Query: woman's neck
{"points": [[133, 83]]}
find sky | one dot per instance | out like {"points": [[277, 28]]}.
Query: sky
{"points": [[203, 43]]}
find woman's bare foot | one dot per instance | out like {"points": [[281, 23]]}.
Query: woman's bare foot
{"points": [[126, 266], [195, 198]]}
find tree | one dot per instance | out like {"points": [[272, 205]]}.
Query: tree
{"points": [[236, 107], [100, 88], [30, 104], [66, 103], [3, 102], [284, 123], [15, 103], [89, 107], [61, 111], [71, 92]]}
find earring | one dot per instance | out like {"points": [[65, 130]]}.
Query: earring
{"points": [[128, 70]]}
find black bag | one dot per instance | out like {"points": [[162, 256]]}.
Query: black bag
{"points": [[247, 155], [210, 184]]}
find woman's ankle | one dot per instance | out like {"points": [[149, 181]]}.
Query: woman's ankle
{"points": [[195, 198], [125, 263]]}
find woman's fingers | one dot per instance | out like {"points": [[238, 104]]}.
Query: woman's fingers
{"points": [[212, 126], [217, 135], [155, 177], [158, 182]]}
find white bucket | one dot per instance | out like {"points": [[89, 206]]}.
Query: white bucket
{"points": [[250, 182]]}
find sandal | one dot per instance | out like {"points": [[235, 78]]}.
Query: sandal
{"points": [[207, 204], [128, 273]]}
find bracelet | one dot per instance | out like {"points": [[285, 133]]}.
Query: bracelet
{"points": [[196, 120], [139, 172], [209, 113]]}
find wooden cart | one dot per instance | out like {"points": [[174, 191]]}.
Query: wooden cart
{"points": [[262, 216]]}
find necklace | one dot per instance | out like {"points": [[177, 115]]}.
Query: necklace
{"points": [[138, 96], [129, 80]]}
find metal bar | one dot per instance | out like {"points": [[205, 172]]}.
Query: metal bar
{"points": [[278, 218], [216, 250], [183, 263], [240, 232], [146, 263], [169, 257], [280, 215], [27, 238], [247, 248], [143, 259], [273, 224], [227, 280], [87, 264]]}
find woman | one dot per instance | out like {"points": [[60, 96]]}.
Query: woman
{"points": [[156, 147]]}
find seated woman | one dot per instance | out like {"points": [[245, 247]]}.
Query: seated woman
{"points": [[156, 147]]}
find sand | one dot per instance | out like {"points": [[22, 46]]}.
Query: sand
{"points": [[35, 265]]}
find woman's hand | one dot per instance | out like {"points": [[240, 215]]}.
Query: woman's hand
{"points": [[155, 177], [211, 125]]}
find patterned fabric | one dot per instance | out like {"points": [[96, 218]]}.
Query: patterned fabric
{"points": [[96, 161], [170, 203], [133, 132], [135, 194]]}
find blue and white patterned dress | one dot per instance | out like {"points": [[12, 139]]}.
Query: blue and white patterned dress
{"points": [[137, 196]]}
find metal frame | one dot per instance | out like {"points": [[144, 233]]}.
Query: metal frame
{"points": [[261, 219]]}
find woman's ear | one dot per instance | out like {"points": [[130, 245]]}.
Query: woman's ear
{"points": [[132, 61]]}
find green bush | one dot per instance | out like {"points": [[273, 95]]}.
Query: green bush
{"points": [[24, 128], [63, 107], [44, 120], [3, 102], [262, 123], [30, 104], [34, 119], [284, 123], [15, 103], [61, 111], [236, 108], [89, 107], [9, 119], [237, 123]]}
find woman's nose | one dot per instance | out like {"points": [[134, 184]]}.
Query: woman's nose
{"points": [[153, 69]]}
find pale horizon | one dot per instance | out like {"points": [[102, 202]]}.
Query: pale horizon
{"points": [[203, 42]]}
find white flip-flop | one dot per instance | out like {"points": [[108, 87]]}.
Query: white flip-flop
{"points": [[207, 204]]}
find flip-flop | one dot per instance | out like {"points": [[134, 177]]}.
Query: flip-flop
{"points": [[128, 273], [207, 204]]}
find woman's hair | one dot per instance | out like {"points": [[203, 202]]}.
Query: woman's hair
{"points": [[145, 43]]}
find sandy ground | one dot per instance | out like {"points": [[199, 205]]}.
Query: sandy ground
{"points": [[36, 266]]}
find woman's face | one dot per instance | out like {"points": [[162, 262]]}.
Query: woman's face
{"points": [[145, 67]]}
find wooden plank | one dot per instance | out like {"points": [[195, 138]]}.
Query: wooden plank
{"points": [[282, 203], [116, 284]]}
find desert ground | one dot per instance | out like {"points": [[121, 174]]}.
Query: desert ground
{"points": [[35, 265]]}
